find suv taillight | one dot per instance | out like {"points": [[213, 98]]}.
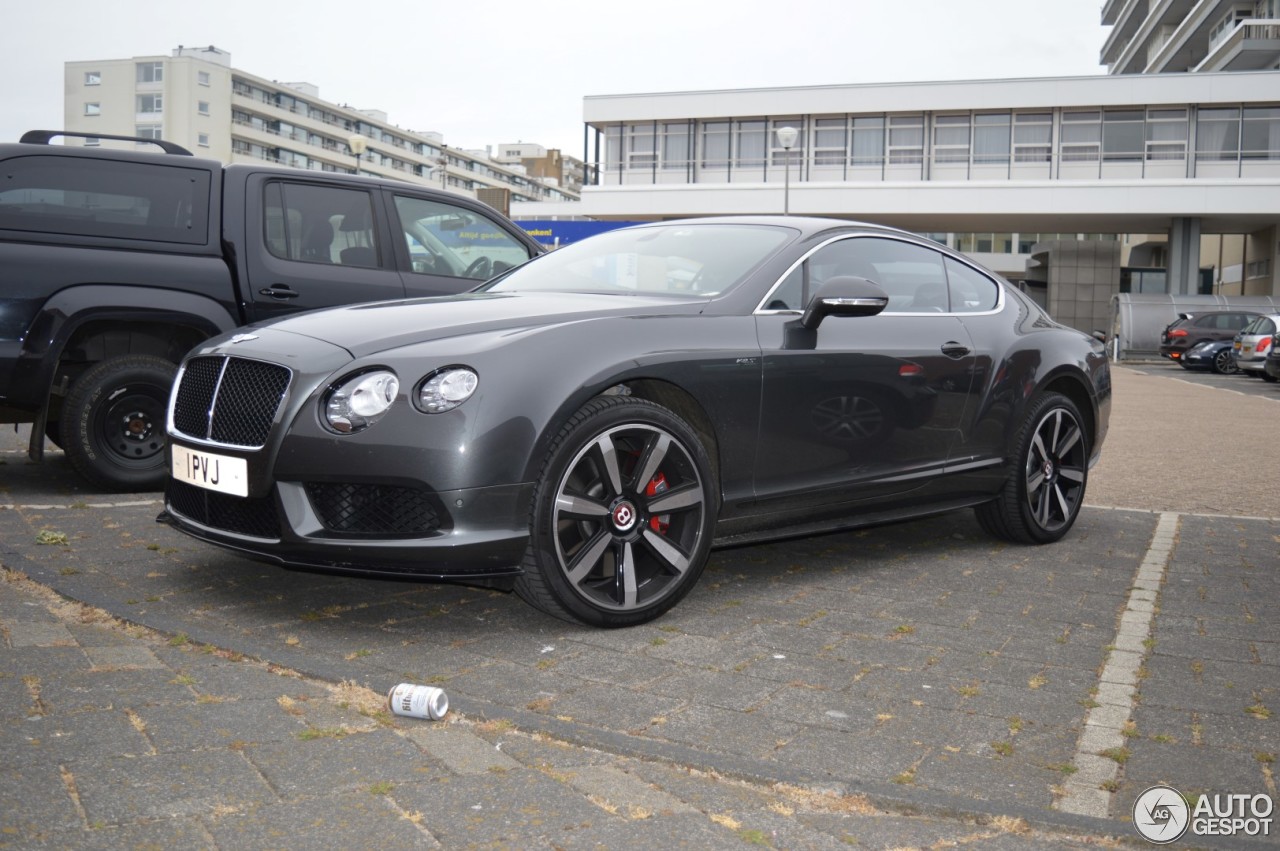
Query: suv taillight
{"points": [[1178, 332]]}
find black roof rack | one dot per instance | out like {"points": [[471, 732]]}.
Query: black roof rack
{"points": [[42, 137]]}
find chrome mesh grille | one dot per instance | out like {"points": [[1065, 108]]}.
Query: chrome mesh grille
{"points": [[229, 400]]}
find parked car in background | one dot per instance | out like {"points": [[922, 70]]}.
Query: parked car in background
{"points": [[114, 263], [1252, 344], [582, 428], [1191, 329], [1272, 365], [1215, 355]]}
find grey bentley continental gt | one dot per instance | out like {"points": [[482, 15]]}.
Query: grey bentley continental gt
{"points": [[584, 428]]}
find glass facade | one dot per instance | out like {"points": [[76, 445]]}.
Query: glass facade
{"points": [[1046, 143]]}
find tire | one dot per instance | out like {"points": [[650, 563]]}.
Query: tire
{"points": [[112, 422], [622, 515], [1224, 363], [1042, 497], [1269, 378]]}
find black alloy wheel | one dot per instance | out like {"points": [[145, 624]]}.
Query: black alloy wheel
{"points": [[1042, 497], [113, 422], [622, 517], [1224, 363]]}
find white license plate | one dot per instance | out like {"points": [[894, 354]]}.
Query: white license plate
{"points": [[220, 473]]}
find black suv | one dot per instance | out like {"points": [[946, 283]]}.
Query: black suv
{"points": [[1191, 329], [114, 263]]}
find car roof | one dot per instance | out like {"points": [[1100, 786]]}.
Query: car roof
{"points": [[807, 225]]}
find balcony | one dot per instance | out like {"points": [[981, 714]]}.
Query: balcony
{"points": [[1253, 45]]}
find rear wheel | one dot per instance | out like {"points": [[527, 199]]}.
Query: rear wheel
{"points": [[112, 422], [1224, 363], [1041, 499], [622, 515]]}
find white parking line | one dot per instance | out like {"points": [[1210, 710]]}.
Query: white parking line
{"points": [[1098, 749], [29, 506]]}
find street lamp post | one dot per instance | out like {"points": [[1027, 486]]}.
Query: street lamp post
{"points": [[787, 138], [357, 144]]}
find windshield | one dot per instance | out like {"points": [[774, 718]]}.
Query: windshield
{"points": [[693, 259]]}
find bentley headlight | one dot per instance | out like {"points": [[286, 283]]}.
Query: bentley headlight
{"points": [[360, 401], [447, 389]]}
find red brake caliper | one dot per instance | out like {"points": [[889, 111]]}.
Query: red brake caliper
{"points": [[657, 485]]}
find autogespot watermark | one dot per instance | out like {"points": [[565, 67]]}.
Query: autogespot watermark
{"points": [[1162, 815]]}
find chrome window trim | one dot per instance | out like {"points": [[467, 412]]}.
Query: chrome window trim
{"points": [[1000, 286]]}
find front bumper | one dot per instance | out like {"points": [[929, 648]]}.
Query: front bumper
{"points": [[478, 535]]}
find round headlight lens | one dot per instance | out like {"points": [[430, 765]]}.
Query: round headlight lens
{"points": [[447, 389], [361, 401]]}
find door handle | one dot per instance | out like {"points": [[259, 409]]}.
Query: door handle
{"points": [[279, 292], [954, 350]]}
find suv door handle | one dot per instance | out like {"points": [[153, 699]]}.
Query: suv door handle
{"points": [[279, 292], [954, 350]]}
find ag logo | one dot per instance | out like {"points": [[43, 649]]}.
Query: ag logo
{"points": [[1161, 814]]}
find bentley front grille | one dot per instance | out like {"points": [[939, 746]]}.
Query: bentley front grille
{"points": [[227, 400]]}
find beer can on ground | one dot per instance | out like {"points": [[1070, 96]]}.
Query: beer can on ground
{"points": [[415, 701]]}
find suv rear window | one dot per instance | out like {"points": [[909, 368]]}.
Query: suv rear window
{"points": [[105, 198]]}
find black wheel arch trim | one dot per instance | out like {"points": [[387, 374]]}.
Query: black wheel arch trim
{"points": [[74, 308]]}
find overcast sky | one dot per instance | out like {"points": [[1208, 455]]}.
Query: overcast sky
{"points": [[484, 73]]}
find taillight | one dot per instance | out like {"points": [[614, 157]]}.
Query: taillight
{"points": [[1178, 332], [1263, 345]]}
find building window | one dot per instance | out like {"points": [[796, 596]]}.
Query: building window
{"points": [[1122, 135], [991, 138], [951, 139], [1032, 137], [906, 139], [1081, 136], [1218, 134], [675, 145], [642, 151], [93, 78], [202, 139], [868, 140], [150, 72], [1166, 134], [151, 104], [202, 107], [93, 109], [1260, 134], [147, 131], [750, 145], [202, 77], [715, 144], [778, 155], [829, 141]]}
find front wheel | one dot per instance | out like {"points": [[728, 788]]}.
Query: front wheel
{"points": [[622, 515], [112, 422], [1040, 501]]}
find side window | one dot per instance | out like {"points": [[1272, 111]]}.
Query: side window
{"points": [[971, 291], [790, 295], [912, 275], [446, 240], [99, 198], [320, 224]]}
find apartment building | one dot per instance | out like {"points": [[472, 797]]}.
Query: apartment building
{"points": [[1179, 36], [194, 97]]}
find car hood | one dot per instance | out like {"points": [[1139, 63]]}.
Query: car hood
{"points": [[365, 329]]}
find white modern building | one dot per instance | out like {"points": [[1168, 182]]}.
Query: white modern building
{"points": [[1176, 36], [195, 98], [1173, 177]]}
